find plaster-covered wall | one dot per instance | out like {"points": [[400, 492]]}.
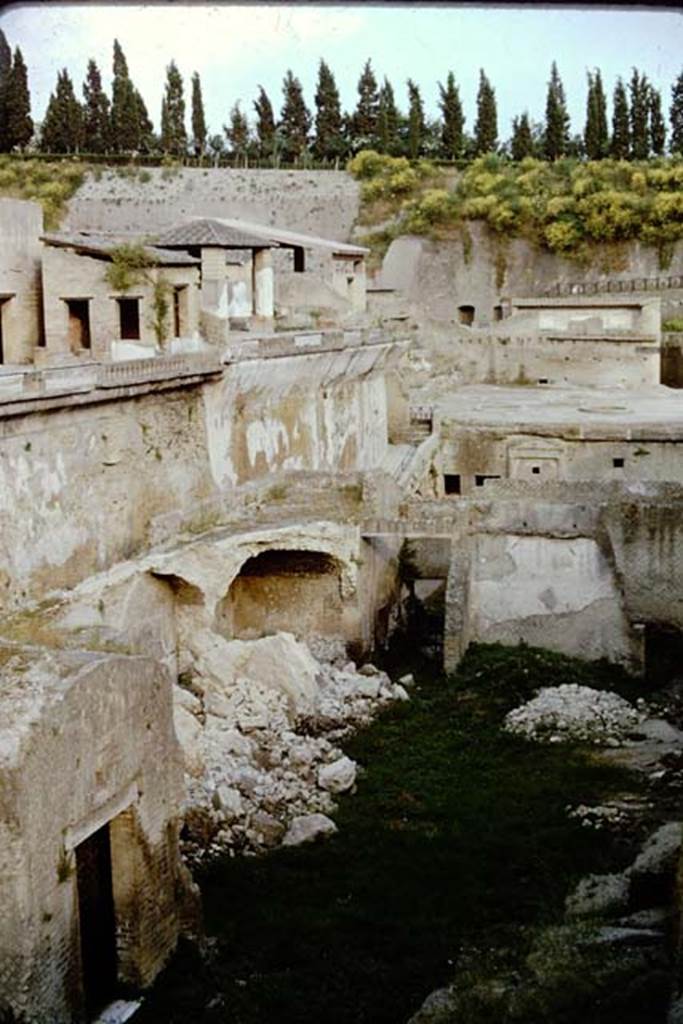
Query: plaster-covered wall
{"points": [[553, 592], [86, 486], [577, 568], [539, 458], [528, 359]]}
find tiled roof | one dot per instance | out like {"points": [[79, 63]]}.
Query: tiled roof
{"points": [[209, 231], [103, 245]]}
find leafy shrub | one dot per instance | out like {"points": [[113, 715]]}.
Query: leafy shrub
{"points": [[673, 325], [51, 183]]}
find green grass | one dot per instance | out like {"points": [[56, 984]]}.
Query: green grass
{"points": [[457, 834]]}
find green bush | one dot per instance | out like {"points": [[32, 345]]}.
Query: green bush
{"points": [[566, 206], [673, 325]]}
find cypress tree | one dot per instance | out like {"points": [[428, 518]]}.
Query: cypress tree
{"points": [[96, 125], [125, 108], [198, 121], [596, 136], [676, 116], [522, 143], [144, 129], [639, 89], [657, 126], [416, 121], [486, 126], [265, 123], [329, 143], [19, 125], [367, 109], [295, 119], [5, 69], [452, 119], [620, 148], [173, 133], [556, 118], [62, 130], [388, 118], [237, 132]]}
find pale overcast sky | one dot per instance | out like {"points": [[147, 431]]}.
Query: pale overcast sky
{"points": [[236, 47]]}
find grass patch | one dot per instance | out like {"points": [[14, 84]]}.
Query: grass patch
{"points": [[458, 834], [51, 184]]}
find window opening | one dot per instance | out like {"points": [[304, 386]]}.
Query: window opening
{"points": [[536, 469], [481, 478], [129, 319], [618, 463], [466, 315], [542, 380], [451, 483], [79, 323], [299, 261], [497, 313]]}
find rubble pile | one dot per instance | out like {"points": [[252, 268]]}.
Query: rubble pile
{"points": [[259, 723], [571, 712]]}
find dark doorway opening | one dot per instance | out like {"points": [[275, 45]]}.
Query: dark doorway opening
{"points": [[466, 315], [97, 920], [129, 319], [179, 304], [497, 313], [299, 261], [663, 653], [79, 323]]}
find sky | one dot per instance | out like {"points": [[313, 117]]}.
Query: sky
{"points": [[237, 47]]}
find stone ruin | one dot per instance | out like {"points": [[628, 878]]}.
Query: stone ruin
{"points": [[212, 519]]}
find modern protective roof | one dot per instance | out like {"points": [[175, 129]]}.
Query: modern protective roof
{"points": [[211, 232], [103, 245], [235, 234]]}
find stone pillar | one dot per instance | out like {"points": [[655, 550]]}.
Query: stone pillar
{"points": [[264, 302]]}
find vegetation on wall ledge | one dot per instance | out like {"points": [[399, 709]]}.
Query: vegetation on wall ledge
{"points": [[129, 265], [567, 206]]}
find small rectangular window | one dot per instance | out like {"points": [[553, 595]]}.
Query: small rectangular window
{"points": [[536, 469], [129, 319], [618, 463], [542, 380], [481, 478], [299, 261], [79, 323], [451, 483]]}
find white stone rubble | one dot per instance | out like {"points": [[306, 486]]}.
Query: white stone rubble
{"points": [[572, 712], [258, 722]]}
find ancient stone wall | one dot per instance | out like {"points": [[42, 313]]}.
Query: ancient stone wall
{"points": [[533, 358], [71, 275], [87, 741], [576, 570], [439, 277], [85, 486], [21, 225]]}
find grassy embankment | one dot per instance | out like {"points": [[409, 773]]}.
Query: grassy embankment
{"points": [[575, 209], [457, 837]]}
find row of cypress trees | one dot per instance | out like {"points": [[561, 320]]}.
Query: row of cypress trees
{"points": [[122, 124]]}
